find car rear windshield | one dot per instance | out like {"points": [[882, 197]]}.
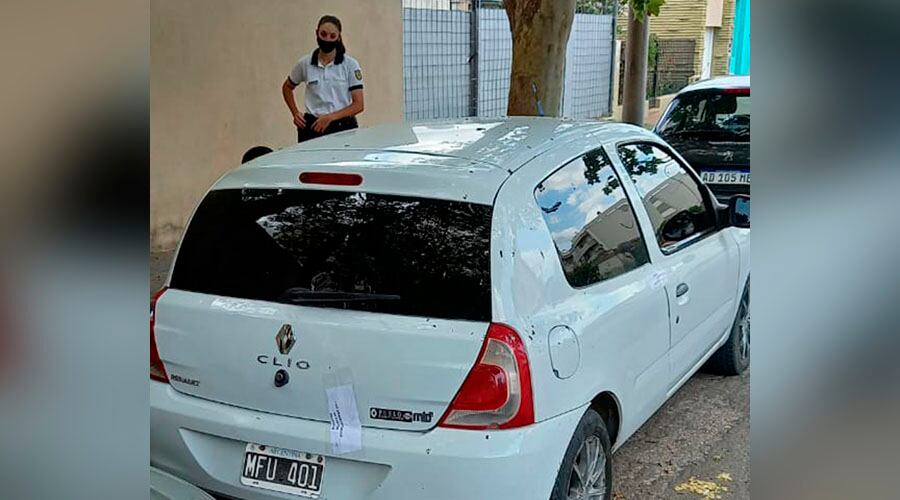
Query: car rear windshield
{"points": [[722, 115], [359, 251]]}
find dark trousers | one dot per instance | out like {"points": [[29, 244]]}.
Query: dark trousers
{"points": [[306, 133]]}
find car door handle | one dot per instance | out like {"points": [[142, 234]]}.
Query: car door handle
{"points": [[681, 289]]}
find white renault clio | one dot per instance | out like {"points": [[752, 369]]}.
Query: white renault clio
{"points": [[475, 309]]}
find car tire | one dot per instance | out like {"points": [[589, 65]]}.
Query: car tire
{"points": [[733, 358], [591, 439]]}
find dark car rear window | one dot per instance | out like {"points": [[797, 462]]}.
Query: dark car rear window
{"points": [[390, 254], [713, 114]]}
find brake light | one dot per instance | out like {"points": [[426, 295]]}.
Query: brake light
{"points": [[497, 391], [736, 91], [157, 369], [333, 179]]}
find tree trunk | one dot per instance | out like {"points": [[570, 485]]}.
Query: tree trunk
{"points": [[635, 85], [540, 31]]}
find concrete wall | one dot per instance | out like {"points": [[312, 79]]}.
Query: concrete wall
{"points": [[215, 86]]}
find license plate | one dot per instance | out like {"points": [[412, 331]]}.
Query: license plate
{"points": [[725, 177], [283, 470]]}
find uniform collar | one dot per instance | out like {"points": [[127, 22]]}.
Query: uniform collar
{"points": [[314, 60]]}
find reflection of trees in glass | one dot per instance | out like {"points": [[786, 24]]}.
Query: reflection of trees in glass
{"points": [[637, 168], [584, 273], [378, 244], [434, 254], [594, 164], [678, 209], [612, 183], [684, 115]]}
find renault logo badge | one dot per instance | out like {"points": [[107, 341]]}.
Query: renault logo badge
{"points": [[285, 339]]}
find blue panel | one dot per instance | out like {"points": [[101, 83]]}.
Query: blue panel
{"points": [[740, 49]]}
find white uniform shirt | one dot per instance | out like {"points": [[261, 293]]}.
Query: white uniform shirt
{"points": [[327, 87]]}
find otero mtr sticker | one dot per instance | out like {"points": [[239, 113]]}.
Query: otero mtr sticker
{"points": [[400, 415]]}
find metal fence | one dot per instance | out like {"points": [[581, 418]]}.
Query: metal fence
{"points": [[494, 56], [436, 63], [589, 57], [669, 69], [457, 57], [674, 66]]}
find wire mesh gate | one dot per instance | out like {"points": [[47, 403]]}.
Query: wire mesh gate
{"points": [[457, 57], [670, 67]]}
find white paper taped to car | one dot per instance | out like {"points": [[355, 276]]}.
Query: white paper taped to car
{"points": [[346, 431]]}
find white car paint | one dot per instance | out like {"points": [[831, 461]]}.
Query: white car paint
{"points": [[617, 336], [719, 82]]}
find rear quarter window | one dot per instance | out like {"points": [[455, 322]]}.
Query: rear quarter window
{"points": [[357, 251], [591, 220]]}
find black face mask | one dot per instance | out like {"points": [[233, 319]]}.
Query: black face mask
{"points": [[326, 46]]}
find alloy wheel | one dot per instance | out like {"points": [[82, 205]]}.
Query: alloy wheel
{"points": [[588, 479], [744, 329]]}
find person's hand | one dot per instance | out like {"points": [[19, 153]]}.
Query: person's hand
{"points": [[322, 123], [299, 122]]}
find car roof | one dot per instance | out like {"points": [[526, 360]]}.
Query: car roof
{"points": [[719, 82], [460, 159]]}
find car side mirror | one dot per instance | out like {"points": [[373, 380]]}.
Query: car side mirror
{"points": [[739, 210]]}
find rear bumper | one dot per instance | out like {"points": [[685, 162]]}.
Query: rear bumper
{"points": [[165, 485], [203, 442]]}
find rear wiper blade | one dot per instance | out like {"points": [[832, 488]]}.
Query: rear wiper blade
{"points": [[311, 296]]}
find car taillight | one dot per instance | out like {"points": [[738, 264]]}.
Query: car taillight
{"points": [[497, 392], [157, 370], [736, 91], [332, 179]]}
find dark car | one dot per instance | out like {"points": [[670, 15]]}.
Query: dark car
{"points": [[709, 124]]}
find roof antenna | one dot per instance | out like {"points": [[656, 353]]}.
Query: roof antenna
{"points": [[540, 107]]}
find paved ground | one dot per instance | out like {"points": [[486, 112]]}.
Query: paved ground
{"points": [[702, 432]]}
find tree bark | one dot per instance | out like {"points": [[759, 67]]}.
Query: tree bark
{"points": [[540, 32], [635, 85]]}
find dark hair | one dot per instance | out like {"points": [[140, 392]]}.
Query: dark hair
{"points": [[337, 22]]}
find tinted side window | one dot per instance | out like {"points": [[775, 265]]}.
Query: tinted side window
{"points": [[591, 220], [710, 115], [671, 196]]}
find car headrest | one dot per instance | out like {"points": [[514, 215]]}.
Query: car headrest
{"points": [[726, 104]]}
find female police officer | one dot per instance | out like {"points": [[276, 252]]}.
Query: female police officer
{"points": [[334, 90]]}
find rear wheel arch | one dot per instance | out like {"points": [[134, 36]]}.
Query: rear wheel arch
{"points": [[607, 405]]}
